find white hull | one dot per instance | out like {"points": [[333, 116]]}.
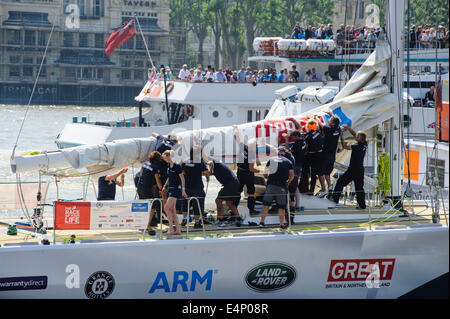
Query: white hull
{"points": [[408, 258]]}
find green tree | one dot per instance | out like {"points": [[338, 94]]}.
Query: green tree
{"points": [[198, 21]]}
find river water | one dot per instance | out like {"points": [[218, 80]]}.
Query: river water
{"points": [[41, 126]]}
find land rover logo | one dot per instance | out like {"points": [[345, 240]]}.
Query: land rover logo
{"points": [[270, 277], [99, 285]]}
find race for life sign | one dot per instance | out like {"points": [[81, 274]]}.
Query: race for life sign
{"points": [[102, 215]]}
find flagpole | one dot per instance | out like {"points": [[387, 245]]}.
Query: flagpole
{"points": [[145, 42]]}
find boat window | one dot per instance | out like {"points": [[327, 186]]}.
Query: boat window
{"points": [[215, 114], [229, 114], [265, 113], [436, 166], [249, 116], [258, 115]]}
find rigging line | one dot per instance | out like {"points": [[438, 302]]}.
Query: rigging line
{"points": [[32, 91], [343, 51], [145, 42]]}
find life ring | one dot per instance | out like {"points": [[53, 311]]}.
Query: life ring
{"points": [[170, 87], [189, 110]]}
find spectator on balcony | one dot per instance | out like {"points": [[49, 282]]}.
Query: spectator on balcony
{"points": [[266, 76], [248, 71], [251, 77], [318, 32], [234, 77], [309, 33], [314, 76], [280, 78], [412, 37], [330, 31], [301, 34], [295, 31], [291, 78], [327, 77], [343, 75], [209, 76], [313, 33], [242, 76], [220, 76], [440, 34], [340, 38], [228, 73], [198, 77], [354, 69], [184, 73], [169, 74], [307, 77], [259, 76], [295, 73], [273, 76], [371, 39]]}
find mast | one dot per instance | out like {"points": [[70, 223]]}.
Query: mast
{"points": [[395, 33]]}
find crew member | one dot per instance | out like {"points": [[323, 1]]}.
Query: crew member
{"points": [[229, 192], [107, 185], [355, 171], [149, 178], [279, 173], [175, 189], [331, 133], [193, 170], [246, 169], [312, 163]]}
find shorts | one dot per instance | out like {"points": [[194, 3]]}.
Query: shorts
{"points": [[277, 194], [200, 194], [230, 192], [328, 160], [174, 192]]}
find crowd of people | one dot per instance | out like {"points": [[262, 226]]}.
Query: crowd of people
{"points": [[296, 164], [246, 75], [350, 39]]}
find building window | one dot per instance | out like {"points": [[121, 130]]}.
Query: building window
{"points": [[30, 37], [97, 8], [138, 75], [82, 6], [138, 64], [249, 116], [128, 44], [15, 37], [14, 59], [43, 71], [258, 115], [100, 74], [125, 63], [14, 71], [28, 71], [139, 43], [87, 73], [361, 10], [99, 41], [126, 74], [436, 167], [41, 38], [68, 39], [84, 40], [27, 60], [71, 73], [151, 42]]}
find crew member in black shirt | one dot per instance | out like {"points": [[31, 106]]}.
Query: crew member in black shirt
{"points": [[355, 171], [229, 192], [312, 161], [193, 170], [246, 169], [331, 133], [107, 185]]}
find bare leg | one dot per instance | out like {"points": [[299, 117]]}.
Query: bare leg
{"points": [[233, 208], [281, 213], [328, 179], [168, 209], [265, 210], [322, 182], [152, 213], [219, 206]]}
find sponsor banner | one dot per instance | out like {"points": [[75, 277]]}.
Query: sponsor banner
{"points": [[23, 283], [360, 269], [270, 276], [101, 215]]}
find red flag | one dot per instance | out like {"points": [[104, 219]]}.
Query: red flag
{"points": [[119, 36]]}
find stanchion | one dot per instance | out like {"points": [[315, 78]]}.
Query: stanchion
{"points": [[188, 212]]}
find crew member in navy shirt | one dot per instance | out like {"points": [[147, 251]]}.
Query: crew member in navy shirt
{"points": [[246, 169], [107, 185], [279, 174], [332, 133], [164, 144], [193, 170], [229, 192], [175, 189], [355, 171], [312, 162], [149, 183]]}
